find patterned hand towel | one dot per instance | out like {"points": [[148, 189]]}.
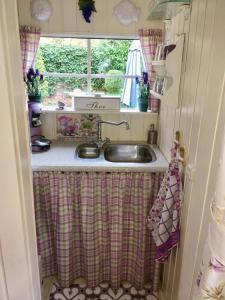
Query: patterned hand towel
{"points": [[164, 216]]}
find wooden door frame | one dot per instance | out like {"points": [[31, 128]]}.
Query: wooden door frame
{"points": [[19, 274]]}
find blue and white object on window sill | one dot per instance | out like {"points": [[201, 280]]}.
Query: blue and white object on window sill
{"points": [[133, 68], [96, 103]]}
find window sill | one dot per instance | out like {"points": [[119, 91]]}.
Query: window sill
{"points": [[46, 110]]}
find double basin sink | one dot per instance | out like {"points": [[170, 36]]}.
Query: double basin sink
{"points": [[117, 152]]}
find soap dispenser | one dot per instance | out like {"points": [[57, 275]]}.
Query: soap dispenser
{"points": [[152, 135]]}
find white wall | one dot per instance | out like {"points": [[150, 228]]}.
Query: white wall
{"points": [[169, 118], [139, 125], [67, 19]]}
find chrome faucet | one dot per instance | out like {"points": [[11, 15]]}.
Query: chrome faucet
{"points": [[99, 129]]}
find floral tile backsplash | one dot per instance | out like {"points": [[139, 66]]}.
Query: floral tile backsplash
{"points": [[77, 126]]}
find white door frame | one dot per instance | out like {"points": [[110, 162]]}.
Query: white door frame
{"points": [[205, 154], [19, 274]]}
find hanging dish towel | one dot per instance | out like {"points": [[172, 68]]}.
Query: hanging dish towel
{"points": [[164, 217]]}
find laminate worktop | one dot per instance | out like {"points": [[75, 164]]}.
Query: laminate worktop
{"points": [[61, 157]]}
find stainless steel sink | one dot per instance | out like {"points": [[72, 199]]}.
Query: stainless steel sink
{"points": [[88, 150], [137, 153]]}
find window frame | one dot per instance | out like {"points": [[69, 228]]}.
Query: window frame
{"points": [[89, 76]]}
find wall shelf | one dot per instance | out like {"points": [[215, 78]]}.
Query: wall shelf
{"points": [[170, 69], [158, 62], [173, 72], [159, 67], [166, 9]]}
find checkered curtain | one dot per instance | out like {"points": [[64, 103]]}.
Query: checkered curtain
{"points": [[29, 40], [93, 225], [149, 39]]}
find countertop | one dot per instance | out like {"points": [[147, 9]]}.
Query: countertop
{"points": [[61, 157]]}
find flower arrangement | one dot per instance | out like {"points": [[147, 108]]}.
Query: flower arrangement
{"points": [[144, 88], [87, 7], [34, 80]]}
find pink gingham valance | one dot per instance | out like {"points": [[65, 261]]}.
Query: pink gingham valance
{"points": [[29, 41], [149, 38]]}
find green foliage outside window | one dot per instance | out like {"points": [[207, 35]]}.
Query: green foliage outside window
{"points": [[41, 67], [114, 85], [106, 55]]}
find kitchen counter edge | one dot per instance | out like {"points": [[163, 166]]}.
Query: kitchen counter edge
{"points": [[61, 157]]}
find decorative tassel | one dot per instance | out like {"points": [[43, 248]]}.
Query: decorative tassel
{"points": [[87, 7]]}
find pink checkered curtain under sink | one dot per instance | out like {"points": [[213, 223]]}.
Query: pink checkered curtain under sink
{"points": [[29, 41], [149, 39], [164, 216], [93, 225]]}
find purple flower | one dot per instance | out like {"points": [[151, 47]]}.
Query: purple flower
{"points": [[63, 120], [87, 11], [31, 71], [33, 80], [29, 77], [216, 265], [137, 80], [145, 77], [87, 7], [41, 77]]}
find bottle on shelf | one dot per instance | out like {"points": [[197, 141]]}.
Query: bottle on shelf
{"points": [[152, 135]]}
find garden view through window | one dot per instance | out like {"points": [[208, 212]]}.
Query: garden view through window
{"points": [[78, 66]]}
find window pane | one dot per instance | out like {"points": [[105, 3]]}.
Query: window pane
{"points": [[109, 55], [62, 89], [62, 55], [107, 86], [113, 58]]}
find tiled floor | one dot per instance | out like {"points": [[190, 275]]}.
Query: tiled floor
{"points": [[79, 291]]}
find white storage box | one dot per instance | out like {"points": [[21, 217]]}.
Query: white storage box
{"points": [[94, 103]]}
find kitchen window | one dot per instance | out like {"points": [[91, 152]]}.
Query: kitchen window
{"points": [[80, 66]]}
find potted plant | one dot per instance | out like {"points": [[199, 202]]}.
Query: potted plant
{"points": [[34, 80], [143, 91]]}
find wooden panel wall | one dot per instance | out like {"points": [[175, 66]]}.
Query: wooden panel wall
{"points": [[67, 19], [197, 118], [169, 122], [169, 119]]}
